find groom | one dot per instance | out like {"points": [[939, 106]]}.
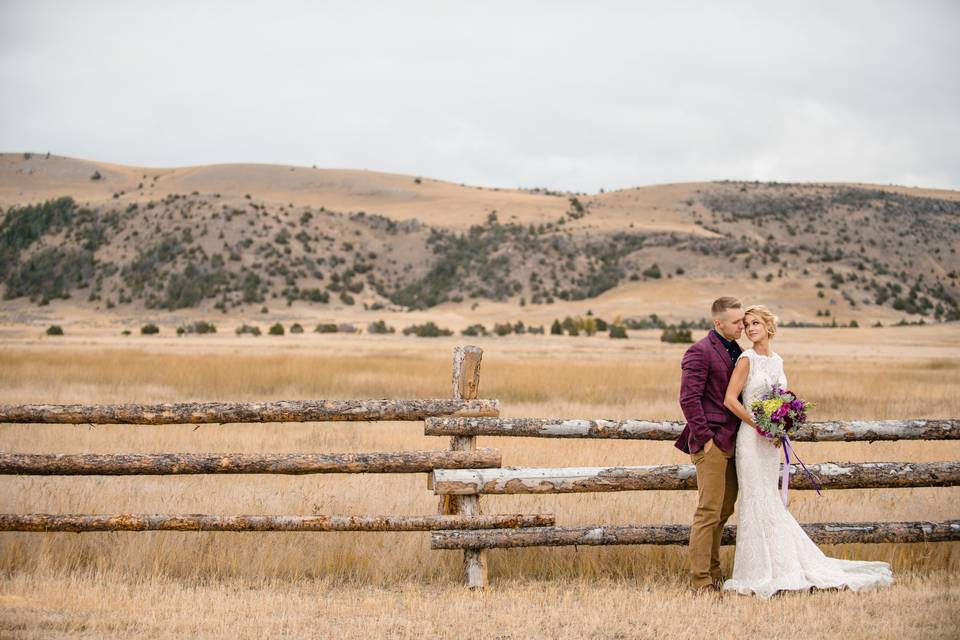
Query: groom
{"points": [[710, 437]]}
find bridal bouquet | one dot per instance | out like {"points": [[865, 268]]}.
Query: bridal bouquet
{"points": [[777, 415], [779, 412]]}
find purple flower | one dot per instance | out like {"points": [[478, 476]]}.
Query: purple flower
{"points": [[781, 412]]}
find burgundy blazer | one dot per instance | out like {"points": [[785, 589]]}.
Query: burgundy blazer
{"points": [[706, 370]]}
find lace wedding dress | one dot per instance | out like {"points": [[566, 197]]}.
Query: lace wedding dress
{"points": [[773, 553]]}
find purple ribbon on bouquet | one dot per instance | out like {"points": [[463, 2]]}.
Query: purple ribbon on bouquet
{"points": [[785, 479]]}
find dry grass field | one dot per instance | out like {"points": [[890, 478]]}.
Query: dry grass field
{"points": [[241, 585]]}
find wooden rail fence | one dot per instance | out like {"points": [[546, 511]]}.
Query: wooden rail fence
{"points": [[462, 473]]}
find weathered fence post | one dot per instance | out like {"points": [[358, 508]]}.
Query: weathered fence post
{"points": [[466, 383]]}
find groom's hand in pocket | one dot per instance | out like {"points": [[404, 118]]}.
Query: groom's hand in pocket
{"points": [[708, 446]]}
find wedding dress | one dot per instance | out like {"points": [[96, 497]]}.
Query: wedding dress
{"points": [[773, 553]]}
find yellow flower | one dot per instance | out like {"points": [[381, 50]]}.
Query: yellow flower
{"points": [[769, 406]]}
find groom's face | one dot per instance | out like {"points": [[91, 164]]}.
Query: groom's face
{"points": [[730, 323]]}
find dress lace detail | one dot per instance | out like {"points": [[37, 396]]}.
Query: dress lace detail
{"points": [[773, 553]]}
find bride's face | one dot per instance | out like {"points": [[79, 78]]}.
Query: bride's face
{"points": [[754, 328]]}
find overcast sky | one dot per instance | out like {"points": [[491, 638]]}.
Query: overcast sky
{"points": [[565, 95]]}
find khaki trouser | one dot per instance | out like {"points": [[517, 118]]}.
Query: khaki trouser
{"points": [[717, 495]]}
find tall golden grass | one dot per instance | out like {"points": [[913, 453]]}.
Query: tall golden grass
{"points": [[98, 605], [538, 385], [545, 382]]}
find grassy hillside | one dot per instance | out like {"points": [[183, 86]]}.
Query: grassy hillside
{"points": [[837, 247]]}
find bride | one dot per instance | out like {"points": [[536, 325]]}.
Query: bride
{"points": [[773, 553]]}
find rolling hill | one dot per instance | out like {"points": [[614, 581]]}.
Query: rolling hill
{"points": [[230, 239]]}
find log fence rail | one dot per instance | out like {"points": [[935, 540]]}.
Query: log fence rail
{"points": [[831, 475], [75, 523], [90, 464], [675, 534], [852, 431]]}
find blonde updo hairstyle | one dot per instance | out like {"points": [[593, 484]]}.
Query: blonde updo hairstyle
{"points": [[764, 315]]}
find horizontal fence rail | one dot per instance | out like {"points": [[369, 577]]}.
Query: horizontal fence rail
{"points": [[74, 523], [820, 532], [846, 431], [85, 464], [239, 412], [832, 475]]}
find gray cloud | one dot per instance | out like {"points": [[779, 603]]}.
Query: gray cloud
{"points": [[563, 94]]}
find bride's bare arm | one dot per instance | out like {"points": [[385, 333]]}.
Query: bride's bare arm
{"points": [[737, 379]]}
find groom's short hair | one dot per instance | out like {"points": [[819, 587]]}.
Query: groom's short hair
{"points": [[722, 304]]}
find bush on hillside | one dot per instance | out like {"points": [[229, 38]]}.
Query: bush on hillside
{"points": [[676, 335], [47, 274], [199, 327], [380, 327], [653, 272], [586, 325], [427, 330], [474, 330], [651, 322], [618, 331], [276, 329], [246, 328], [54, 330], [149, 329], [314, 295], [504, 329]]}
